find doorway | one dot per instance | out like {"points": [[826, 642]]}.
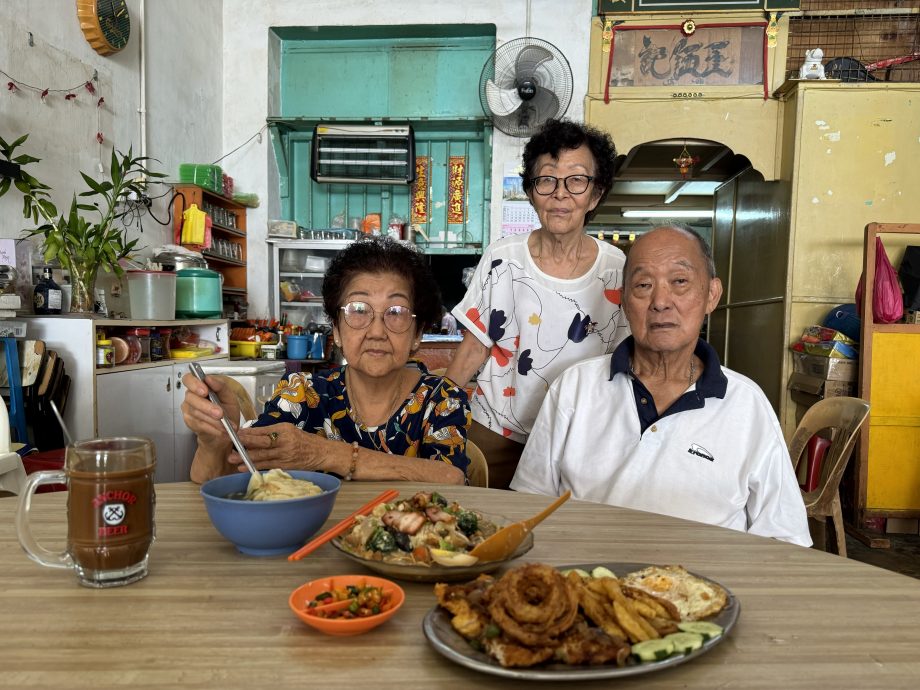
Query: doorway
{"points": [[716, 191]]}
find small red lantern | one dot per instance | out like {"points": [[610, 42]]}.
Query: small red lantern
{"points": [[685, 162]]}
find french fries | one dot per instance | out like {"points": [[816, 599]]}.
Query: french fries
{"points": [[624, 612]]}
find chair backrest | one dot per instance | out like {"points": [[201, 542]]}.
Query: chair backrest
{"points": [[478, 470], [844, 416], [247, 409]]}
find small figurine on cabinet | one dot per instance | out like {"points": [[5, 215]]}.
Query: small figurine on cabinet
{"points": [[812, 67]]}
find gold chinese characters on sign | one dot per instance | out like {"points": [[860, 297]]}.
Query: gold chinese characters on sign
{"points": [[707, 56], [456, 190], [420, 190]]}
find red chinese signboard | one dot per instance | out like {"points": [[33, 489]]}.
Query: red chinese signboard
{"points": [[420, 190], [456, 190]]}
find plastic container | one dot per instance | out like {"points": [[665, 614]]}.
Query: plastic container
{"points": [[198, 294], [105, 354], [245, 348], [152, 295], [143, 336], [298, 346]]}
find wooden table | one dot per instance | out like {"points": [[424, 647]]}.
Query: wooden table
{"points": [[207, 616]]}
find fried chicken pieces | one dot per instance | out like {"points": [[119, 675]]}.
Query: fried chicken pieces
{"points": [[533, 614]]}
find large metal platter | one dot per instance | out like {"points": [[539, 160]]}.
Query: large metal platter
{"points": [[445, 640]]}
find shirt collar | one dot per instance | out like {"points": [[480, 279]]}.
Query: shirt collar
{"points": [[711, 384]]}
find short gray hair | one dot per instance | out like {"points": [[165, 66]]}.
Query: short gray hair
{"points": [[703, 246]]}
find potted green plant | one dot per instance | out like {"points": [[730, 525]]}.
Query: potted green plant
{"points": [[82, 244]]}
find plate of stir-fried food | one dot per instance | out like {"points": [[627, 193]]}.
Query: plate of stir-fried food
{"points": [[425, 538], [580, 622]]}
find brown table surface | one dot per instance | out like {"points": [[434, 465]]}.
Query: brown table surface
{"points": [[207, 616]]}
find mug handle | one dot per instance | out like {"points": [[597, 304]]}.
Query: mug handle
{"points": [[38, 553]]}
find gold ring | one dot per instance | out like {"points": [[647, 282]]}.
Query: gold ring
{"points": [[273, 436]]}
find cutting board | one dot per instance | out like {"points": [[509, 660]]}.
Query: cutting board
{"points": [[31, 359]]}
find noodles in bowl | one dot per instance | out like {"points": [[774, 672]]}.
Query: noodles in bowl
{"points": [[278, 485], [268, 527]]}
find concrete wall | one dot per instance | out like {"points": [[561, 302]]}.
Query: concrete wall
{"points": [[183, 87], [209, 65], [250, 65]]}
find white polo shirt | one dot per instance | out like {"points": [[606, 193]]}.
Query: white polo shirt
{"points": [[724, 463]]}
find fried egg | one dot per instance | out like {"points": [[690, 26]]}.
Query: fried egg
{"points": [[694, 597]]}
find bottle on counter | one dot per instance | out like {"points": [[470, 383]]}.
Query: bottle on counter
{"points": [[47, 296], [105, 353]]}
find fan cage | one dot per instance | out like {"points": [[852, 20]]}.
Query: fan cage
{"points": [[554, 75]]}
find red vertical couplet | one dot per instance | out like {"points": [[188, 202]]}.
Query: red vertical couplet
{"points": [[456, 190], [420, 190]]}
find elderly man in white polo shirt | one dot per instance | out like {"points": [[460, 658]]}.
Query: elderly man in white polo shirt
{"points": [[660, 425]]}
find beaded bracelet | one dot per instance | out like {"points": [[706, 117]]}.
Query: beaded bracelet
{"points": [[354, 462]]}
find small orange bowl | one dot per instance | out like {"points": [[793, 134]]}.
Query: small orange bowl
{"points": [[306, 593]]}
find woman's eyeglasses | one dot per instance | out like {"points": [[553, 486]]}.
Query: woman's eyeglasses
{"points": [[360, 315], [545, 185]]}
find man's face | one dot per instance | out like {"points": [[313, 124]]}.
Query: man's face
{"points": [[667, 291]]}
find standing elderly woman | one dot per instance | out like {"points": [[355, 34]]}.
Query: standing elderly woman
{"points": [[541, 301], [380, 417]]}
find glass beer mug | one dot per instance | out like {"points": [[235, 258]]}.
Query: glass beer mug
{"points": [[110, 506]]}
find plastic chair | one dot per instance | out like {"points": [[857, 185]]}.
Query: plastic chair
{"points": [[478, 470], [12, 472], [844, 416], [247, 409]]}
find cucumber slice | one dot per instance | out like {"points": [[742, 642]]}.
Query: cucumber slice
{"points": [[704, 628], [653, 650], [601, 571], [581, 573], [685, 642]]}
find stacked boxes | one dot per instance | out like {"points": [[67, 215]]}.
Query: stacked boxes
{"points": [[211, 177], [816, 377]]}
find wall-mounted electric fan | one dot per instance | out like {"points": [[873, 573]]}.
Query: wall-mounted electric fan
{"points": [[524, 83]]}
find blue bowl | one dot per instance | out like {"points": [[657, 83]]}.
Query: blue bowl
{"points": [[268, 528]]}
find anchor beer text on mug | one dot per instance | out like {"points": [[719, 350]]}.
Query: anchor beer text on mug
{"points": [[113, 511]]}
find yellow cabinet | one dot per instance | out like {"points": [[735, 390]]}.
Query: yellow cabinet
{"points": [[888, 471]]}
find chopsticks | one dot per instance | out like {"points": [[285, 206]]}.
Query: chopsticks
{"points": [[333, 532]]}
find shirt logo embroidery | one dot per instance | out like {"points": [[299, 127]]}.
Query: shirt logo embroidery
{"points": [[700, 452]]}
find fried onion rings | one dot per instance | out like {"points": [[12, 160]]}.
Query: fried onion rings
{"points": [[533, 605]]}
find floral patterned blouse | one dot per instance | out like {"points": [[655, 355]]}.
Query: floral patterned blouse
{"points": [[431, 423]]}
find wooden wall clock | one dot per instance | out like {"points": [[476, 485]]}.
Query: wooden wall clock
{"points": [[106, 24]]}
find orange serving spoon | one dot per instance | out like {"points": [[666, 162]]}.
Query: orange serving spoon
{"points": [[505, 541]]}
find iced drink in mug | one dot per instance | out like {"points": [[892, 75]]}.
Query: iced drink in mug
{"points": [[110, 507]]}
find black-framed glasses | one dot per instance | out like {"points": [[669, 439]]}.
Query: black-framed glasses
{"points": [[360, 315], [544, 185]]}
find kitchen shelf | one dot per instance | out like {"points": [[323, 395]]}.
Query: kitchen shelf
{"points": [[232, 270], [303, 304], [102, 371], [222, 259], [236, 232], [295, 274]]}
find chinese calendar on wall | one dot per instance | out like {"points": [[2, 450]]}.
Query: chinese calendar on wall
{"points": [[666, 57], [456, 189], [420, 191]]}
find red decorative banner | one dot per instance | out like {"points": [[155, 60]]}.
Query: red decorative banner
{"points": [[420, 190], [456, 190]]}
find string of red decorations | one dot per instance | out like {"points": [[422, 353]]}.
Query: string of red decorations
{"points": [[14, 85]]}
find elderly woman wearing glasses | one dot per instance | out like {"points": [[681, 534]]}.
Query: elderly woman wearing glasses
{"points": [[541, 301], [380, 417]]}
